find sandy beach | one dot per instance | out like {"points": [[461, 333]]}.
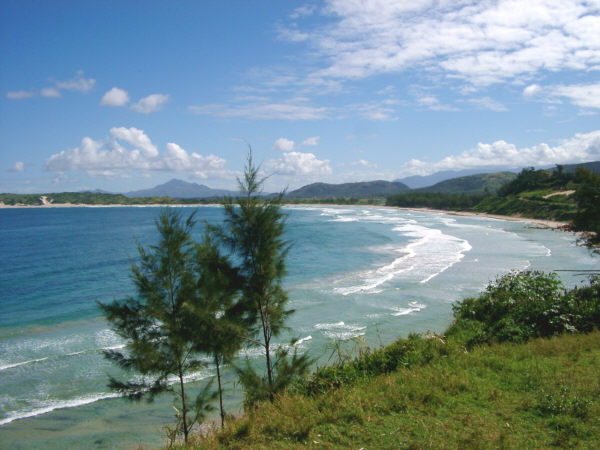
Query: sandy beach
{"points": [[541, 222]]}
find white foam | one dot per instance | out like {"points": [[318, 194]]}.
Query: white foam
{"points": [[342, 335], [31, 361], [57, 404], [428, 254], [412, 307], [304, 339]]}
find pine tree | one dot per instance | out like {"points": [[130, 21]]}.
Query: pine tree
{"points": [[156, 325], [253, 230]]}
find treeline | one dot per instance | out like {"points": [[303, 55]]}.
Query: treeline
{"points": [[95, 198], [438, 200]]}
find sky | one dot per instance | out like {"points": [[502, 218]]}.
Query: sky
{"points": [[128, 94]]}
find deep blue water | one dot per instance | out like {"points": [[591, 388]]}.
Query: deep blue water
{"points": [[353, 271]]}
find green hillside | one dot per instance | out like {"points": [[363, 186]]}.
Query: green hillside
{"points": [[514, 370], [472, 184], [367, 189]]}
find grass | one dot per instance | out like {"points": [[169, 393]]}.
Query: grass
{"points": [[540, 394]]}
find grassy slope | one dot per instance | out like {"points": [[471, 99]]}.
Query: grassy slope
{"points": [[540, 394]]}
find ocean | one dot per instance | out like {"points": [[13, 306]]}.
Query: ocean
{"points": [[370, 272]]}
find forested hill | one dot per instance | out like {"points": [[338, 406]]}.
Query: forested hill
{"points": [[367, 189], [472, 184]]}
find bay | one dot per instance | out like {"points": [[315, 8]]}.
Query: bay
{"points": [[370, 272]]}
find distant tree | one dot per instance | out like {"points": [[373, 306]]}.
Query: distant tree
{"points": [[253, 230], [587, 196], [156, 325]]}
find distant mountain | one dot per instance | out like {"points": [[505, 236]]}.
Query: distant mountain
{"points": [[98, 191], [421, 181], [593, 166], [471, 184], [361, 190], [181, 189]]}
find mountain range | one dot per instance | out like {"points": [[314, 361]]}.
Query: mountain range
{"points": [[466, 181]]}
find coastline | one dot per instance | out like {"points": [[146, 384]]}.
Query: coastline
{"points": [[554, 225]]}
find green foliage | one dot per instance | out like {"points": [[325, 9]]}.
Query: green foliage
{"points": [[438, 200], [587, 195], [216, 310], [253, 232], [523, 305], [472, 184], [530, 179], [155, 324], [536, 395]]}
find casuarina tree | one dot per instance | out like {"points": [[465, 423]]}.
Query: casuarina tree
{"points": [[253, 230], [155, 323], [217, 310]]}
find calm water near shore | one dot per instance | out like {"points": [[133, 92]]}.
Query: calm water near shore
{"points": [[353, 271]]}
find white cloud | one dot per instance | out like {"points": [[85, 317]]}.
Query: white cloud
{"points": [[479, 42], [299, 164], [431, 102], [50, 92], [79, 83], [263, 110], [582, 147], [488, 103], [150, 104], [364, 163], [311, 141], [19, 95], [532, 90], [18, 167], [135, 137], [283, 144], [109, 158], [583, 95], [115, 97]]}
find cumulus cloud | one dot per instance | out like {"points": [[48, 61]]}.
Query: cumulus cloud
{"points": [[137, 138], [283, 144], [19, 95], [79, 83], [479, 42], [18, 167], [582, 147], [299, 164], [150, 104], [115, 97], [109, 157], [50, 92], [311, 141]]}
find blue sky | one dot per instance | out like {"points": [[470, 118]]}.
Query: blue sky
{"points": [[123, 95]]}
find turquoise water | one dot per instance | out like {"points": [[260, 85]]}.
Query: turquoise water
{"points": [[353, 271]]}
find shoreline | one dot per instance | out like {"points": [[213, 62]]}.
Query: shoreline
{"points": [[552, 224]]}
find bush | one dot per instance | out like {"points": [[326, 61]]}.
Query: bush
{"points": [[523, 305]]}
